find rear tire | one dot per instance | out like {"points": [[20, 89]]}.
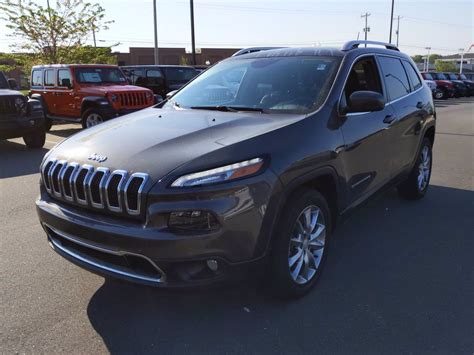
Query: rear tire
{"points": [[48, 123], [416, 185], [300, 246], [91, 118], [35, 140]]}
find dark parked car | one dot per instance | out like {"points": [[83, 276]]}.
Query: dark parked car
{"points": [[223, 178], [461, 85], [469, 83], [445, 86], [161, 79], [20, 116]]}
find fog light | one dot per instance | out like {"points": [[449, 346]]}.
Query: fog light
{"points": [[212, 265], [193, 220]]}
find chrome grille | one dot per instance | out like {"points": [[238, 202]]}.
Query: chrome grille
{"points": [[116, 191]]}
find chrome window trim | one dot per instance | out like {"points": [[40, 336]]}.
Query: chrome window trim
{"points": [[139, 192], [56, 244], [123, 174]]}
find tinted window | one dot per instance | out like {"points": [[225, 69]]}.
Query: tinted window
{"points": [[100, 75], [179, 75], [364, 76], [3, 81], [49, 78], [279, 84], [396, 80], [133, 74], [63, 74], [154, 74], [36, 78], [413, 75], [427, 76]]}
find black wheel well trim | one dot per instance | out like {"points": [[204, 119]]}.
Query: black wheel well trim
{"points": [[40, 99], [308, 180], [430, 133], [93, 102]]}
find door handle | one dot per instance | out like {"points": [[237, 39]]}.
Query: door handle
{"points": [[419, 105], [389, 119]]}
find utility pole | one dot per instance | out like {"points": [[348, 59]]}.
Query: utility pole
{"points": [[157, 60], [193, 42], [427, 66], [462, 59], [391, 22], [398, 27], [366, 28]]}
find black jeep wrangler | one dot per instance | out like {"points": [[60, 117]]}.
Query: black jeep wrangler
{"points": [[248, 167], [20, 116]]}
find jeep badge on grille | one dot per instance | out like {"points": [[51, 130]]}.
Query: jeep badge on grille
{"points": [[98, 158]]}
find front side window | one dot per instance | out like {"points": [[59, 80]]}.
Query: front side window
{"points": [[49, 78], [99, 76], [179, 75], [278, 84], [364, 76], [36, 77], [413, 75], [396, 80], [64, 76]]}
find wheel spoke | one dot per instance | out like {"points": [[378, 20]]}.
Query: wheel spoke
{"points": [[293, 259], [296, 272], [307, 220]]}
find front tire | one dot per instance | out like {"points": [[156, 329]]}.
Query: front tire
{"points": [[300, 247], [91, 118], [35, 140], [416, 185], [439, 95]]}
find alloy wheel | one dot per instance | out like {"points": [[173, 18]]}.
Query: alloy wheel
{"points": [[307, 245], [93, 120], [424, 168]]}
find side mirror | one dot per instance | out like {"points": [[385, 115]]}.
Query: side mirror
{"points": [[171, 94], [66, 82], [365, 101], [12, 84]]}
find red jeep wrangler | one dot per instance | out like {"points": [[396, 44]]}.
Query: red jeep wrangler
{"points": [[89, 94]]}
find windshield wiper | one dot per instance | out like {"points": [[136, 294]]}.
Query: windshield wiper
{"points": [[228, 108]]}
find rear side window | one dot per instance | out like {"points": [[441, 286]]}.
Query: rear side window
{"points": [[36, 78], [413, 75], [62, 75], [49, 78], [396, 80]]}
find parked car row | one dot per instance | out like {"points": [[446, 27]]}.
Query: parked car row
{"points": [[447, 85]]}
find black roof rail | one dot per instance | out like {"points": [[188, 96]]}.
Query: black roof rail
{"points": [[355, 44], [253, 50]]}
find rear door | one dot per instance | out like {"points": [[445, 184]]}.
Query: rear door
{"points": [[367, 163], [406, 101]]}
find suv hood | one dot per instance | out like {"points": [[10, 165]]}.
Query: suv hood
{"points": [[104, 89], [8, 92], [157, 141]]}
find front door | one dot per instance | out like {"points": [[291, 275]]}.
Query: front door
{"points": [[65, 94], [49, 91], [366, 159]]}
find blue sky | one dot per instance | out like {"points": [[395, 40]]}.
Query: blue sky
{"points": [[445, 25]]}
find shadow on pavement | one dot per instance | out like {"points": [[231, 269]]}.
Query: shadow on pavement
{"points": [[67, 132], [453, 101], [399, 279], [17, 160]]}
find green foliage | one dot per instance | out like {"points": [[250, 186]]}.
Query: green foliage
{"points": [[53, 34], [417, 58], [434, 57], [443, 66]]}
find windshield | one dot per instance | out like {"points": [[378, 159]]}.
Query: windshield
{"points": [[279, 84], [3, 81], [427, 76], [452, 76], [100, 76], [463, 77]]}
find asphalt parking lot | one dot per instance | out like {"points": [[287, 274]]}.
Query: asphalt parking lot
{"points": [[399, 279]]}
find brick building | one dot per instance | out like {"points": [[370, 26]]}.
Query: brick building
{"points": [[144, 55]]}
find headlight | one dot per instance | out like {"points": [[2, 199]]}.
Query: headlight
{"points": [[149, 95], [20, 104], [221, 174], [35, 105]]}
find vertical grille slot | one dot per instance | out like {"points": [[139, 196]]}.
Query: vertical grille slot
{"points": [[81, 183], [55, 178], [114, 189], [46, 169], [133, 192], [66, 181]]}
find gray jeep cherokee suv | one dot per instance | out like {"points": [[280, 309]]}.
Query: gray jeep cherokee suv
{"points": [[250, 165]]}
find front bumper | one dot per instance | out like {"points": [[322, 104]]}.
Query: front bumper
{"points": [[12, 126], [149, 252]]}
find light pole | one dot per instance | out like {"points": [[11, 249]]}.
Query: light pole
{"points": [[427, 66], [398, 27], [391, 22], [193, 42], [462, 59], [157, 60], [366, 28]]}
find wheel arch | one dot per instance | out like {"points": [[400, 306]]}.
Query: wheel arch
{"points": [[89, 102], [430, 134]]}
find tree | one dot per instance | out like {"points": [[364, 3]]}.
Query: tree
{"points": [[52, 33], [417, 58], [443, 66]]}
